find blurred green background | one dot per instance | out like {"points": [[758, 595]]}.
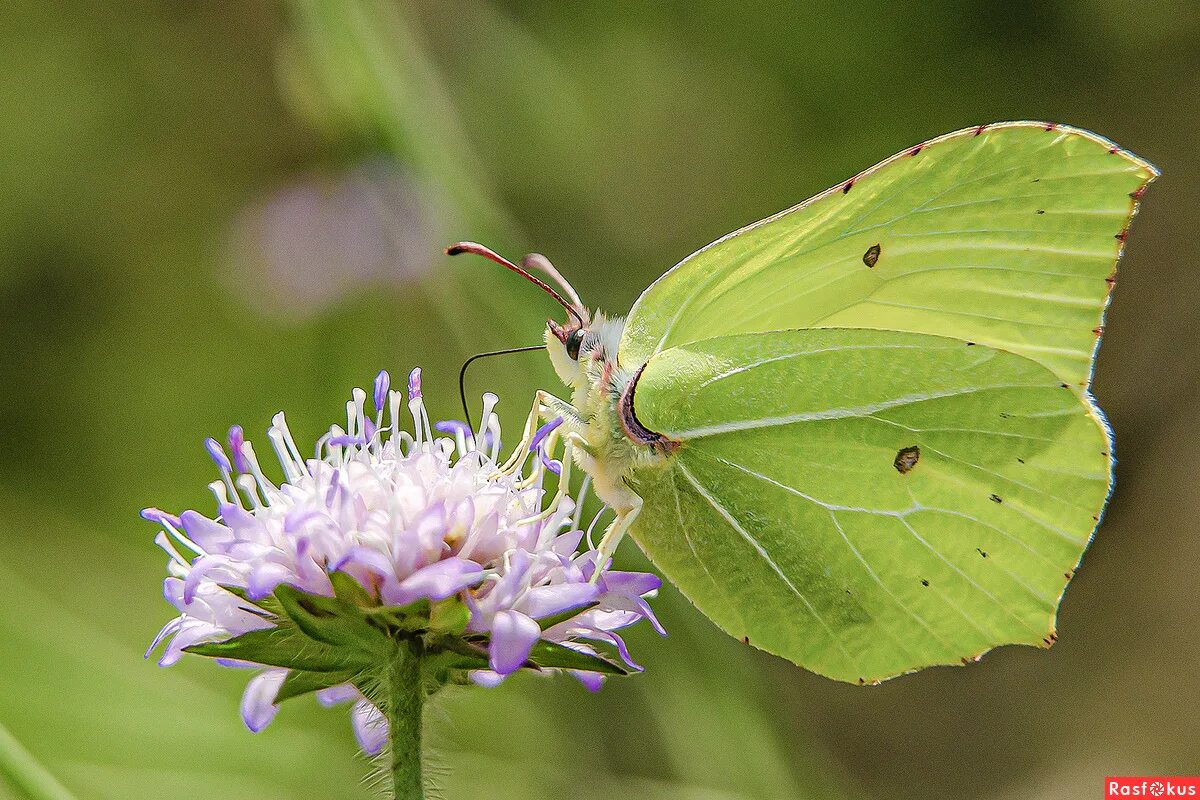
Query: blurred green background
{"points": [[211, 211]]}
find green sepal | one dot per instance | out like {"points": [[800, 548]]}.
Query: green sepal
{"points": [[455, 653], [549, 622], [449, 616], [549, 655], [407, 618], [333, 621], [267, 604], [299, 683], [283, 646], [350, 590]]}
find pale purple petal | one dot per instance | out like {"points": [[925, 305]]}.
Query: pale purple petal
{"points": [[370, 727], [486, 678], [513, 636], [604, 636], [545, 601], [210, 535], [567, 543], [258, 706], [369, 559], [634, 584], [435, 582], [343, 693], [592, 681], [633, 605], [266, 578]]}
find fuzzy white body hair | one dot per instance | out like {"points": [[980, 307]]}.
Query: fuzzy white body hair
{"points": [[597, 380]]}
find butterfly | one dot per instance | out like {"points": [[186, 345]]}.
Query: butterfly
{"points": [[859, 434]]}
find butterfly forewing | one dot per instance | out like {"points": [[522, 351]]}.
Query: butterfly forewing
{"points": [[866, 503], [1005, 235]]}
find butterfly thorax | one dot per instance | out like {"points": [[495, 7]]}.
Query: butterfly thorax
{"points": [[598, 381]]}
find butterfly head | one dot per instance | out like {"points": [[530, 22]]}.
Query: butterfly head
{"points": [[571, 344]]}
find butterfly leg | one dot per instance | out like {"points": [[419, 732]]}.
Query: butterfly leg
{"points": [[573, 442], [615, 533], [545, 406]]}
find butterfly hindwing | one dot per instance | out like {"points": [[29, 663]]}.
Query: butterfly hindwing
{"points": [[866, 503], [1006, 235]]}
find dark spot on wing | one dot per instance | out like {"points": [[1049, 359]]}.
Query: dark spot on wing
{"points": [[1069, 574], [1005, 415], [871, 257], [1036, 180], [1065, 385], [981, 552], [915, 150], [1112, 151], [1020, 460], [862, 681], [1041, 211], [1098, 330], [1051, 126], [906, 459], [1136, 194], [745, 640], [924, 582], [849, 185], [1120, 237], [995, 498], [970, 344], [980, 129]]}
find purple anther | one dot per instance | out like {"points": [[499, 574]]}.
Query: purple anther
{"points": [[217, 453], [236, 439], [346, 440], [543, 432], [453, 426], [160, 517], [550, 464], [383, 382]]}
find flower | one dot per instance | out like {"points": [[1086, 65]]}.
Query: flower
{"points": [[402, 530]]}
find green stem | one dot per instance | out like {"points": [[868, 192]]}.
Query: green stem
{"points": [[405, 703], [23, 771]]}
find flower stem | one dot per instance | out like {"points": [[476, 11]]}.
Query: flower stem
{"points": [[406, 701]]}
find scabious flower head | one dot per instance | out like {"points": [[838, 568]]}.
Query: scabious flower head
{"points": [[390, 534]]}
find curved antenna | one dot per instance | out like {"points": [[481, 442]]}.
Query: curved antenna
{"points": [[491, 255], [462, 374], [540, 262]]}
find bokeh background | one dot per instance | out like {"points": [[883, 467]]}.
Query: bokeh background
{"points": [[212, 211]]}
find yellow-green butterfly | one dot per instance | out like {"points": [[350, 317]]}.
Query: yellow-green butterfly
{"points": [[858, 434]]}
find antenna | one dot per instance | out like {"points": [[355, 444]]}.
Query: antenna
{"points": [[491, 255], [462, 374], [539, 261]]}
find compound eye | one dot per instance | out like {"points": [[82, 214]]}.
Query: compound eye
{"points": [[574, 341]]}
